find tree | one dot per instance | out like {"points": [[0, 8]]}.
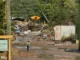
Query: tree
{"points": [[1, 11], [55, 11], [8, 17], [58, 11], [78, 24], [3, 24]]}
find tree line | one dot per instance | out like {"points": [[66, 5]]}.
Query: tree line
{"points": [[55, 12]]}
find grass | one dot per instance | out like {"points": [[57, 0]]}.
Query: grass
{"points": [[77, 58]]}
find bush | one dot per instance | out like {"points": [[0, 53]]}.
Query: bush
{"points": [[12, 28], [2, 31], [1, 25], [70, 38]]}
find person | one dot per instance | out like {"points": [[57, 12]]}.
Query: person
{"points": [[28, 45]]}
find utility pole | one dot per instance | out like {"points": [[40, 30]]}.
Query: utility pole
{"points": [[8, 17]]}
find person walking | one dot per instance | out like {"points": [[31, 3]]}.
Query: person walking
{"points": [[28, 45]]}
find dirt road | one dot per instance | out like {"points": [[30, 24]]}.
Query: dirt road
{"points": [[43, 50]]}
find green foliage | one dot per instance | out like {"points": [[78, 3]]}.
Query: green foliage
{"points": [[70, 38], [2, 25], [1, 1], [78, 24], [2, 31], [56, 11], [12, 28], [1, 12]]}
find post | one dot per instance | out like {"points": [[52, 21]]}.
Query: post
{"points": [[8, 17], [9, 49]]}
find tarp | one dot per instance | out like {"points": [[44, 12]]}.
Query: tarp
{"points": [[35, 17]]}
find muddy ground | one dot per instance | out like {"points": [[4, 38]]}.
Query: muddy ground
{"points": [[41, 49]]}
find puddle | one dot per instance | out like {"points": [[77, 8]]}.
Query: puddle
{"points": [[71, 50]]}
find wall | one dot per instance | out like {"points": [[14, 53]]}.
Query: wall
{"points": [[63, 30]]}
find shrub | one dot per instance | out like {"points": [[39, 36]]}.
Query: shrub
{"points": [[70, 38], [2, 31], [12, 28]]}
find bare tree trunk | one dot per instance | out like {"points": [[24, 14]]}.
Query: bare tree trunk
{"points": [[8, 17]]}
